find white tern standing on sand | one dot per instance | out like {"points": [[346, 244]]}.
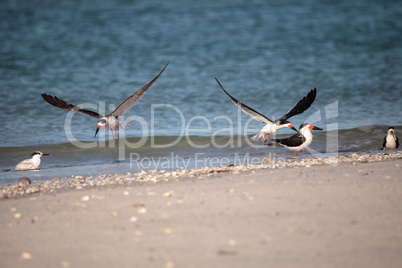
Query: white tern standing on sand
{"points": [[29, 164]]}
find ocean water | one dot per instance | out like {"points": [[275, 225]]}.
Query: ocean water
{"points": [[268, 54]]}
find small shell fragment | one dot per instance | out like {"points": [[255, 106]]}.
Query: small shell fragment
{"points": [[141, 210], [26, 255]]}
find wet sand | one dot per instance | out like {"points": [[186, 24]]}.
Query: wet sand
{"points": [[300, 216]]}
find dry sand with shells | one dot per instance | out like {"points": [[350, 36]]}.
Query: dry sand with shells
{"points": [[304, 215]]}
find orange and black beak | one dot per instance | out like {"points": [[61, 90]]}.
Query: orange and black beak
{"points": [[314, 128], [292, 127], [97, 130]]}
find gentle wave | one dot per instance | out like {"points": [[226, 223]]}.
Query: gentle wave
{"points": [[364, 138], [172, 152]]}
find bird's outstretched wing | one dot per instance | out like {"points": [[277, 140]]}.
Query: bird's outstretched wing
{"points": [[247, 110], [135, 98], [301, 106], [68, 106], [291, 141]]}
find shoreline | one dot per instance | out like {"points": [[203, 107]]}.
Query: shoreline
{"points": [[62, 184]]}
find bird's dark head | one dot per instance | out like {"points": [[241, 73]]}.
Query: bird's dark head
{"points": [[287, 124], [101, 123], [38, 153], [391, 130], [308, 126], [303, 125]]}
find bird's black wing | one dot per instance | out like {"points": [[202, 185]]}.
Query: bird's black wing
{"points": [[384, 143], [135, 98], [397, 142], [68, 106], [247, 110], [301, 106], [291, 141]]}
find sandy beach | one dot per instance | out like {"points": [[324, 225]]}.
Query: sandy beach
{"points": [[166, 134], [349, 215]]}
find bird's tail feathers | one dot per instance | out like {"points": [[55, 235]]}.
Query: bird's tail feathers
{"points": [[258, 136]]}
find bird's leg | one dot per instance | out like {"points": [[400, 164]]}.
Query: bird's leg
{"points": [[112, 133], [266, 135], [118, 132], [301, 154], [295, 153]]}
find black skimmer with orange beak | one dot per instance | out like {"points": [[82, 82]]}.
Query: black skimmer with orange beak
{"points": [[29, 164], [110, 121], [282, 122], [299, 141], [391, 141]]}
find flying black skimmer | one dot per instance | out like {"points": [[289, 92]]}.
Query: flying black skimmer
{"points": [[299, 141], [29, 164], [110, 121], [282, 122], [391, 141]]}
